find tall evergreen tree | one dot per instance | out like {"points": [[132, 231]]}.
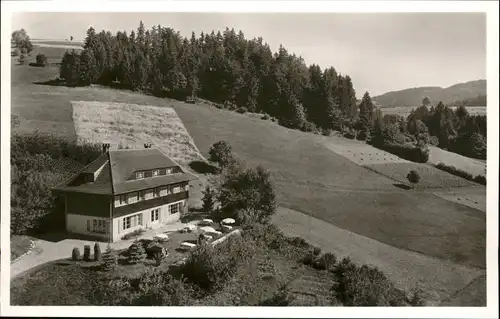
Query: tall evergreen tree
{"points": [[366, 112]]}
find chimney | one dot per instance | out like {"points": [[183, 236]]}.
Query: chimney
{"points": [[105, 147]]}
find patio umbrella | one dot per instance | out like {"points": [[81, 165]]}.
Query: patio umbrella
{"points": [[228, 221], [207, 229]]}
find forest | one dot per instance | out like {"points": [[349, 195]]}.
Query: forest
{"points": [[225, 68], [244, 75]]}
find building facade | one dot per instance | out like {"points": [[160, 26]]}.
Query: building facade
{"points": [[123, 191]]}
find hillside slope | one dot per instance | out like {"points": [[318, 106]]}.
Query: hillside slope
{"points": [[414, 96]]}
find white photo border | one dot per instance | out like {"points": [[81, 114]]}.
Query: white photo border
{"points": [[489, 7]]}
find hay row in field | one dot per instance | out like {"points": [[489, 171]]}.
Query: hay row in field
{"points": [[361, 153]]}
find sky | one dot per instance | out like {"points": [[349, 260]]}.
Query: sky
{"points": [[381, 52]]}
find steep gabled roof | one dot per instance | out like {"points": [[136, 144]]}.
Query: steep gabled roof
{"points": [[125, 162], [101, 185], [115, 167]]}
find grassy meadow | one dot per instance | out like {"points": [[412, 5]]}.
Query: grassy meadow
{"points": [[314, 175], [430, 177], [403, 267], [133, 125]]}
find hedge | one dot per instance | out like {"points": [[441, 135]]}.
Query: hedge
{"points": [[406, 151], [480, 179]]}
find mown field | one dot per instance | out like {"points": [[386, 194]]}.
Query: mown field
{"points": [[310, 177], [430, 177], [403, 267], [466, 164]]}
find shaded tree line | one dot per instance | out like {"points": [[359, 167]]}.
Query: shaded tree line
{"points": [[454, 130], [225, 68], [38, 163]]}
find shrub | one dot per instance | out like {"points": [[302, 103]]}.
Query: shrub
{"points": [[230, 105], [433, 140], [248, 195], [159, 254], [413, 177], [365, 286], [327, 132], [136, 253], [41, 60], [316, 251], [109, 259], [157, 288], [480, 179], [265, 117], [208, 199], [75, 254], [265, 235], [210, 267], [22, 59], [309, 127], [309, 259], [348, 132], [455, 171], [326, 262], [362, 135], [242, 110], [221, 153], [86, 253], [298, 242], [97, 252]]}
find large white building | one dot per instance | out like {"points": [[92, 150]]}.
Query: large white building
{"points": [[125, 190]]}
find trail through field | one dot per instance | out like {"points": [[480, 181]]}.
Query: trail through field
{"points": [[408, 270], [470, 296]]}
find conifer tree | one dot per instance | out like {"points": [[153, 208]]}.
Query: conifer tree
{"points": [[366, 112], [137, 253], [109, 259]]}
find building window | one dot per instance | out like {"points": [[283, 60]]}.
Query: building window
{"points": [[156, 172], [139, 175], [174, 208], [168, 171], [132, 221], [156, 192], [155, 215], [98, 226], [142, 195], [132, 197], [177, 188], [123, 199]]}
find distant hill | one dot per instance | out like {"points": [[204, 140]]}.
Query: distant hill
{"points": [[414, 96], [479, 100]]}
